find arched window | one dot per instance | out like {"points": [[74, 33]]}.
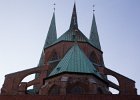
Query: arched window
{"points": [[54, 90]]}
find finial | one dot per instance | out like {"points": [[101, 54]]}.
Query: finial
{"points": [[54, 6], [93, 8]]}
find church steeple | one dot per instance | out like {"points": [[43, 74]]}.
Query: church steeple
{"points": [[94, 38], [52, 34], [51, 37], [74, 24]]}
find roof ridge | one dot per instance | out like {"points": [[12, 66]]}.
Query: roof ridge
{"points": [[69, 59]]}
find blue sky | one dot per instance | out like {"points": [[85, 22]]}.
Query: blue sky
{"points": [[24, 25]]}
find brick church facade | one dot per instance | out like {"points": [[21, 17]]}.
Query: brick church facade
{"points": [[69, 65]]}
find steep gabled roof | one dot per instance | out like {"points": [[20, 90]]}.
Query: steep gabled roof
{"points": [[71, 35], [94, 38], [75, 61]]}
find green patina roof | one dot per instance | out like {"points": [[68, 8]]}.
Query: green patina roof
{"points": [[72, 35], [51, 37], [75, 34], [94, 38], [75, 61]]}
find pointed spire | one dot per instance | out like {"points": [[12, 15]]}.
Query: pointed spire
{"points": [[74, 24], [94, 38], [52, 35]]}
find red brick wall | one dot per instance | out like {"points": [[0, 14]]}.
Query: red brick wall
{"points": [[62, 48]]}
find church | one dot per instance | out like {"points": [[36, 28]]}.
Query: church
{"points": [[69, 65]]}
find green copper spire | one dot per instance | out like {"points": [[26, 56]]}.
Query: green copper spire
{"points": [[52, 36], [94, 38], [73, 33], [74, 24], [75, 61]]}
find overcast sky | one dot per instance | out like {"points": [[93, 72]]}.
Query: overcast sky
{"points": [[24, 25]]}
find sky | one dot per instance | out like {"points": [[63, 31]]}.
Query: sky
{"points": [[24, 25]]}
